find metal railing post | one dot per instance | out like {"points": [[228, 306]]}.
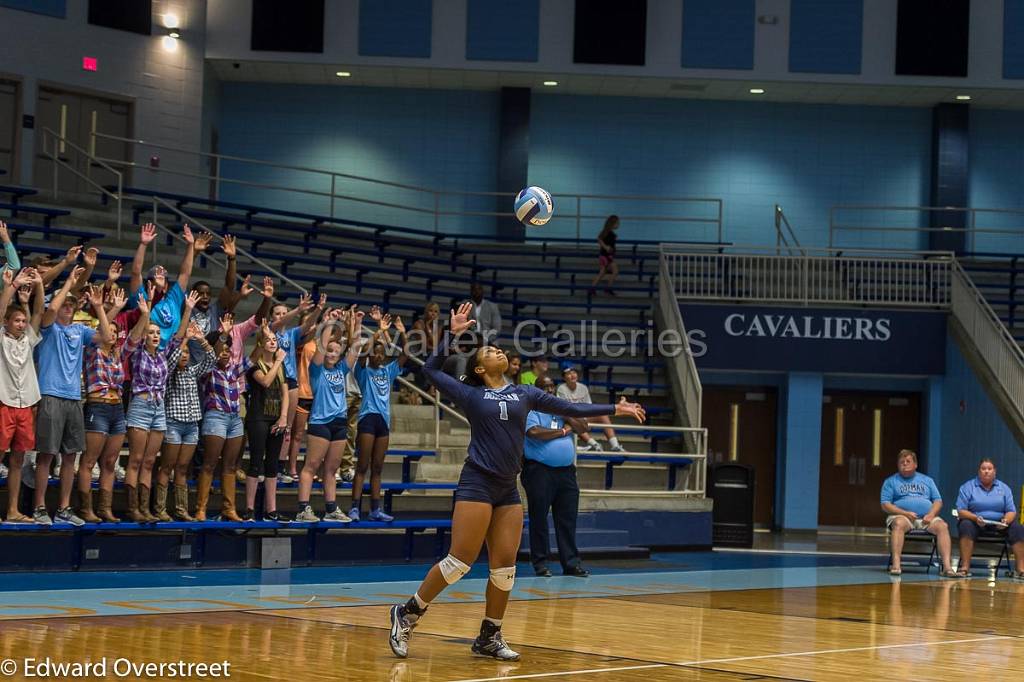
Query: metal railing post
{"points": [[579, 211], [437, 212], [334, 178]]}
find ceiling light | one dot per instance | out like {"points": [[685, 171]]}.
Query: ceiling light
{"points": [[550, 84], [171, 20], [964, 98], [756, 91], [342, 74]]}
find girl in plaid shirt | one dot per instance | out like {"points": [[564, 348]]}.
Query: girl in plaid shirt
{"points": [[104, 410], [183, 414], [147, 418], [222, 426]]}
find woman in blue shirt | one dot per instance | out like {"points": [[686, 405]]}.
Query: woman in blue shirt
{"points": [[375, 377], [487, 504], [328, 419], [985, 506]]}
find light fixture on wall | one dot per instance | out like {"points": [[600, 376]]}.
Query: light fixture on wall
{"points": [[343, 74], [964, 98], [756, 91], [170, 41]]}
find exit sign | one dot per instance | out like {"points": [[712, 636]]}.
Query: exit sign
{"points": [[90, 64]]}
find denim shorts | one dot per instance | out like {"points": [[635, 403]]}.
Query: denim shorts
{"points": [[476, 484], [147, 414], [222, 424], [105, 418], [181, 433]]}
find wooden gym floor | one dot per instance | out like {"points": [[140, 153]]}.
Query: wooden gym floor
{"points": [[878, 628]]}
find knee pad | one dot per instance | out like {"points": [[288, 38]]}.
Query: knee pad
{"points": [[504, 578], [452, 569]]}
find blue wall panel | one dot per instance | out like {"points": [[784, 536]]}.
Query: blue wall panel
{"points": [[395, 28], [825, 36], [53, 8], [498, 30], [1013, 38], [799, 458], [718, 34], [431, 138], [752, 155], [996, 164]]}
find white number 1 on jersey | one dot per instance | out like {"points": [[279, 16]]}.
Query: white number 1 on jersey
{"points": [[503, 407]]}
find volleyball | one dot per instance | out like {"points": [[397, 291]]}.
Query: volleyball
{"points": [[534, 206]]}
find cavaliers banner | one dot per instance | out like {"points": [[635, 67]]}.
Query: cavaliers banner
{"points": [[735, 337]]}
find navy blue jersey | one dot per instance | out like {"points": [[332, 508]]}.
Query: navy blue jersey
{"points": [[497, 416]]}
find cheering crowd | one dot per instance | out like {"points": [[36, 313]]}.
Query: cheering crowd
{"points": [[89, 364]]}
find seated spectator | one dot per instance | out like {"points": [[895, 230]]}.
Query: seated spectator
{"points": [[425, 335], [985, 508], [912, 502], [515, 368], [575, 392], [539, 367]]}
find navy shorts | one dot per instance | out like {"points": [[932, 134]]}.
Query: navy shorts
{"points": [[334, 430], [374, 425], [479, 485], [292, 383], [969, 529]]}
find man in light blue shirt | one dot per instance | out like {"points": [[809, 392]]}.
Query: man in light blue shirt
{"points": [[911, 501], [985, 507], [549, 478]]}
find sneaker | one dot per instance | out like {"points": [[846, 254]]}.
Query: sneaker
{"points": [[279, 517], [353, 513], [3, 471], [337, 477], [400, 631], [119, 472], [592, 446], [379, 515], [495, 647], [40, 517], [307, 515], [337, 515], [348, 475], [285, 478], [65, 515], [248, 515], [617, 448], [610, 292], [96, 472]]}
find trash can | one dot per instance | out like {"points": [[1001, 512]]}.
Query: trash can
{"points": [[732, 489]]}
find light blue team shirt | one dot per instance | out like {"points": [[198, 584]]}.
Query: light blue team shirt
{"points": [[59, 359], [914, 494], [990, 504], [557, 452], [288, 341], [166, 314], [328, 386], [375, 383]]}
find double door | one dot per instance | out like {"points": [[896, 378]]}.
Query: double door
{"points": [[861, 435]]}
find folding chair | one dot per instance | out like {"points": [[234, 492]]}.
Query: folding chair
{"points": [[1003, 540], [917, 536]]}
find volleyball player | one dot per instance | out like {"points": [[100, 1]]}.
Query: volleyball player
{"points": [[487, 504]]}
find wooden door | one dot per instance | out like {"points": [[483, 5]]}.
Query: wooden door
{"points": [[861, 434], [741, 425]]}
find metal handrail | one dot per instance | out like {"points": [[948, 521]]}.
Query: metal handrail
{"points": [[786, 237], [434, 195], [971, 230], [50, 134], [186, 218]]}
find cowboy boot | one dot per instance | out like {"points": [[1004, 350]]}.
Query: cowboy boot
{"points": [[203, 494], [144, 493], [227, 509], [181, 503], [160, 504], [133, 504], [104, 510], [85, 507]]}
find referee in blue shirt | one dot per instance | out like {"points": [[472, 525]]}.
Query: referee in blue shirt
{"points": [[549, 477]]}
